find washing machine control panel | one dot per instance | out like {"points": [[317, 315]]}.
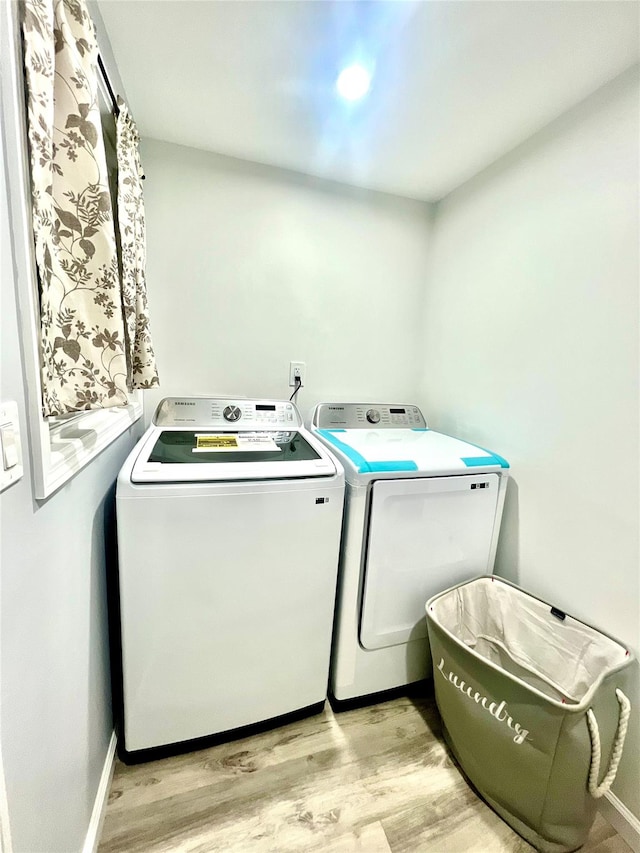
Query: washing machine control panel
{"points": [[221, 412], [368, 416]]}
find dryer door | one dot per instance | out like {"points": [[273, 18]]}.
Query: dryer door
{"points": [[425, 535]]}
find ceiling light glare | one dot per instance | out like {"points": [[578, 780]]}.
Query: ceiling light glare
{"points": [[353, 82]]}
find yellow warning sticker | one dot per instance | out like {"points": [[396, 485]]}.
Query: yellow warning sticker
{"points": [[216, 442]]}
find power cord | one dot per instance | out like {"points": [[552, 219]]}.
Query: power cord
{"points": [[299, 385]]}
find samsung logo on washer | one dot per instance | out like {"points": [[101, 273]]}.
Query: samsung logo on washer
{"points": [[179, 403], [339, 419]]}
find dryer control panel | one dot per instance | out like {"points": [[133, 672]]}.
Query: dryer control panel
{"points": [[368, 416], [225, 412]]}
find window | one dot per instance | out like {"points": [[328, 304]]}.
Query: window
{"points": [[59, 446]]}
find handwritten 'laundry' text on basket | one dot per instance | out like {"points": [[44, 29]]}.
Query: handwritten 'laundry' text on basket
{"points": [[493, 708]]}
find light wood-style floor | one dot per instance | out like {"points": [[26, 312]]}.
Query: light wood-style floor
{"points": [[376, 780]]}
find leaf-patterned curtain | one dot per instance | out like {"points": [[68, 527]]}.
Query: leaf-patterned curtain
{"points": [[84, 363], [141, 364]]}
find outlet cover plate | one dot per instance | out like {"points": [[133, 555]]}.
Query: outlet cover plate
{"points": [[296, 369]]}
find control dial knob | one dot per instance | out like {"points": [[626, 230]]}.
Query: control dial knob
{"points": [[373, 416], [232, 413]]}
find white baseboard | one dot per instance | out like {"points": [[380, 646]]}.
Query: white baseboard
{"points": [[5, 833], [622, 820], [102, 795]]}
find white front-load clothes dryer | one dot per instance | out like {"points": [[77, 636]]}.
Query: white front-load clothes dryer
{"points": [[228, 525], [422, 513]]}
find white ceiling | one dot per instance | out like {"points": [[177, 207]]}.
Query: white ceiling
{"points": [[456, 84]]}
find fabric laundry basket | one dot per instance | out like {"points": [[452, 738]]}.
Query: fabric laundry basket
{"points": [[531, 702]]}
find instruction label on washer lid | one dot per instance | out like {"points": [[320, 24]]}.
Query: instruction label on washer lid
{"points": [[248, 442]]}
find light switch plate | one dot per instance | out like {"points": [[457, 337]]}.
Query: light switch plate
{"points": [[11, 469]]}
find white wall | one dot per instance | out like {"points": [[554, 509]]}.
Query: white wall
{"points": [[250, 267], [55, 693], [530, 347]]}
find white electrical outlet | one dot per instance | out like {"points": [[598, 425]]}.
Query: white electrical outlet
{"points": [[296, 371]]}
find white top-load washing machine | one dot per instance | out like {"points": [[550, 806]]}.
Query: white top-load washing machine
{"points": [[228, 524], [422, 512]]}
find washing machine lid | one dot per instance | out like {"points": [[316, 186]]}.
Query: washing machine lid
{"points": [[199, 440], [377, 441]]}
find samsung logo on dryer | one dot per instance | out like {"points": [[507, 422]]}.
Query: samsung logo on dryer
{"points": [[178, 403], [336, 408]]}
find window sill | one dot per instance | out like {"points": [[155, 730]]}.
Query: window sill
{"points": [[72, 446]]}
